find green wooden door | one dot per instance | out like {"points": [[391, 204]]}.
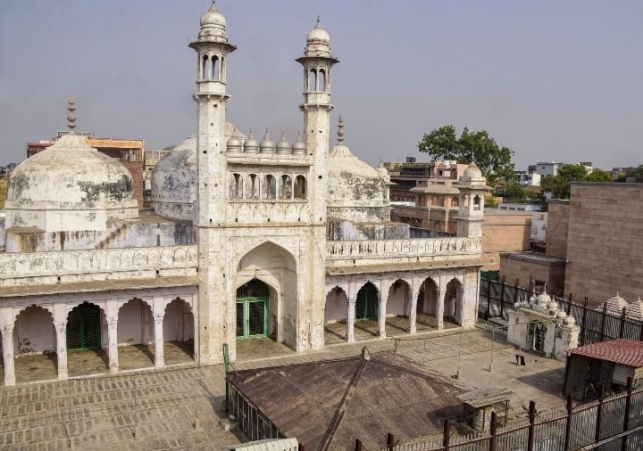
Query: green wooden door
{"points": [[368, 302], [252, 317], [83, 328]]}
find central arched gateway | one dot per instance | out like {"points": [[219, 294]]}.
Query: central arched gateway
{"points": [[253, 309]]}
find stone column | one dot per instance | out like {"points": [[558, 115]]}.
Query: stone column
{"points": [[381, 317], [159, 359], [439, 314], [7, 355], [350, 320], [112, 336], [61, 349], [413, 302]]}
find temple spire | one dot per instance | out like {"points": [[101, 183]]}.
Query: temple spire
{"points": [[71, 116], [340, 130]]}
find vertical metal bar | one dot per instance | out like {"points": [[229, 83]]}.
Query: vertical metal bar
{"points": [[584, 322], [446, 435], [603, 320], [226, 361], [390, 441], [502, 295], [532, 426], [569, 303], [622, 328], [358, 445], [568, 426], [599, 411], [626, 416], [489, 294], [492, 429]]}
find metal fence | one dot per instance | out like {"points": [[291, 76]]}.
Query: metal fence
{"points": [[611, 423], [597, 324]]}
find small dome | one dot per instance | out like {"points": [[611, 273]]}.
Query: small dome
{"points": [[318, 42], [251, 145], [543, 299], [299, 146], [267, 145], [213, 25], [561, 315], [472, 172], [234, 143], [552, 306], [570, 321], [635, 310], [616, 305], [533, 299], [283, 146]]}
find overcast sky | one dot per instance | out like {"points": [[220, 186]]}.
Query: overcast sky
{"points": [[552, 80]]}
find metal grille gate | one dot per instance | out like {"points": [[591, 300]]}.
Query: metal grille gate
{"points": [[367, 306], [83, 328], [253, 301]]}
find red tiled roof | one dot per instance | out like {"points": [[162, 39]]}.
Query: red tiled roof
{"points": [[624, 352]]}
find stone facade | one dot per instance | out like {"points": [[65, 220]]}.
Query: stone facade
{"points": [[247, 239], [604, 241], [530, 267]]}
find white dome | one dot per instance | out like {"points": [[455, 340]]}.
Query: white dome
{"points": [[317, 42], [213, 26], [356, 191], [174, 179], [174, 182], [72, 179]]}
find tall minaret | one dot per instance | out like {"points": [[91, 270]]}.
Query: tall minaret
{"points": [[317, 62], [212, 49], [472, 186]]}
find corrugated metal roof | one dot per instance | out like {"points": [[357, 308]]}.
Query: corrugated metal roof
{"points": [[625, 352], [328, 404]]}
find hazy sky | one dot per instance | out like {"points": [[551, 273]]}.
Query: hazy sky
{"points": [[552, 80]]}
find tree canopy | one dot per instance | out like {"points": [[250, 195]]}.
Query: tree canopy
{"points": [[493, 159], [560, 185]]}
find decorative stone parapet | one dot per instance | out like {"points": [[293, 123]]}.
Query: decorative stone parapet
{"points": [[108, 264], [412, 250]]}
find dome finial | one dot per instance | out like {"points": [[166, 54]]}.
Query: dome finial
{"points": [[340, 130], [71, 116], [318, 22]]}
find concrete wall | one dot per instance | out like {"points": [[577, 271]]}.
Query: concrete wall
{"points": [[605, 241], [519, 266], [504, 232], [557, 228]]}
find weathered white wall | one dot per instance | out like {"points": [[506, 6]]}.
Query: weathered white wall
{"points": [[397, 303], [135, 323], [178, 322], [336, 307], [34, 332]]}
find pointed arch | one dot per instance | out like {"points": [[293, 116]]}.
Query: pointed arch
{"points": [[399, 297], [178, 326], [453, 302], [135, 323], [34, 331], [321, 80], [300, 187], [312, 80], [335, 306], [85, 327], [368, 300]]}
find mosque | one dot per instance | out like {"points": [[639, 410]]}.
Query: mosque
{"points": [[245, 239]]}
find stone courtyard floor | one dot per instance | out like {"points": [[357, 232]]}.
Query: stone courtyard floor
{"points": [[181, 407]]}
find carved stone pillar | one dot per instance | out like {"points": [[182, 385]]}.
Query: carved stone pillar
{"points": [[61, 349], [112, 336], [159, 359], [439, 314], [7, 355], [413, 302], [381, 317], [350, 320]]}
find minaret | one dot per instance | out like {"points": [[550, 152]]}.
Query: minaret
{"points": [[472, 186], [212, 48], [317, 63]]}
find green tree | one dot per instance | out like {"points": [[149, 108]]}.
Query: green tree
{"points": [[598, 176], [560, 185], [636, 172], [493, 160]]}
